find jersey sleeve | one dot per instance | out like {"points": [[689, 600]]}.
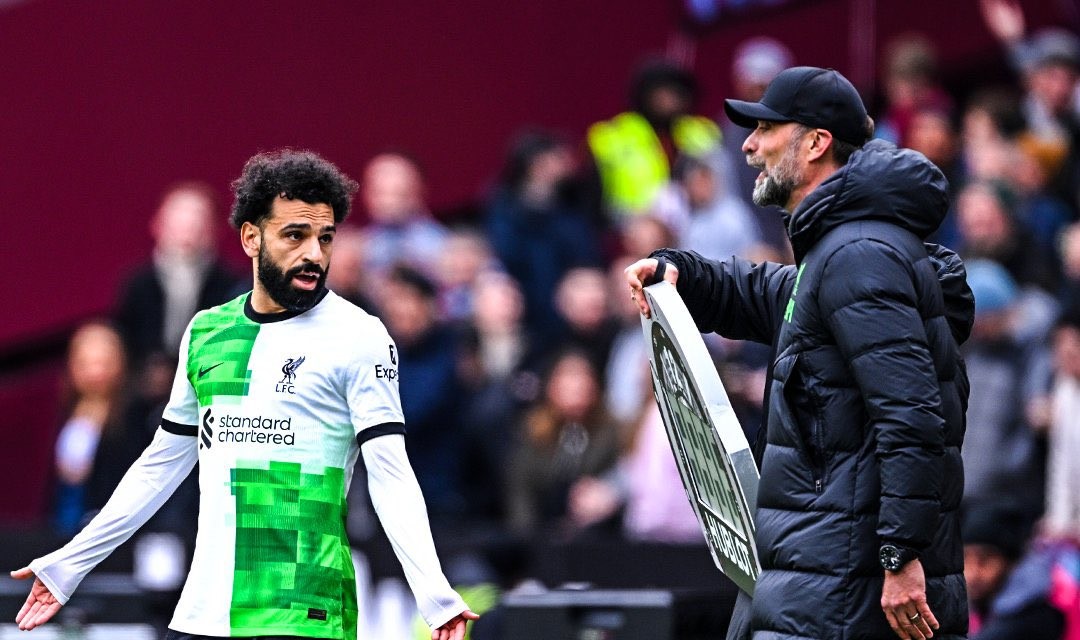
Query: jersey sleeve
{"points": [[181, 415], [399, 503], [145, 487], [371, 386]]}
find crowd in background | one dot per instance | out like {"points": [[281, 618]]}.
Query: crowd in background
{"points": [[523, 373]]}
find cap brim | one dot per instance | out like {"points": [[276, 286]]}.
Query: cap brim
{"points": [[747, 114]]}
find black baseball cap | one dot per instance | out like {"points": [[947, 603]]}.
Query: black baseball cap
{"points": [[811, 96]]}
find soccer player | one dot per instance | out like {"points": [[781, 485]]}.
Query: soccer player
{"points": [[277, 393]]}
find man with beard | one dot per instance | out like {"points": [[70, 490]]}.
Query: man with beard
{"points": [[278, 392], [856, 524]]}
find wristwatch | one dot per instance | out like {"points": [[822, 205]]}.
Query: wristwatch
{"points": [[893, 557]]}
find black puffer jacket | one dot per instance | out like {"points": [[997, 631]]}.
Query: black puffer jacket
{"points": [[867, 396]]}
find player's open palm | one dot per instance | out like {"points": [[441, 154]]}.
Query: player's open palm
{"points": [[454, 629], [41, 605]]}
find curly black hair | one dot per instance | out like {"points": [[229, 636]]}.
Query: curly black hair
{"points": [[293, 175]]}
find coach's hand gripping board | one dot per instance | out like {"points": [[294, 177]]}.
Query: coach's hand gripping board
{"points": [[713, 456]]}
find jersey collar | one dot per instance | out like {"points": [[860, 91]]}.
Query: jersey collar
{"points": [[263, 318]]}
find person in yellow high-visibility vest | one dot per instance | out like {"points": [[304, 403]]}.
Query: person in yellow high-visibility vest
{"points": [[635, 150]]}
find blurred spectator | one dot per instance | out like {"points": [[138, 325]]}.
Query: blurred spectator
{"points": [[644, 234], [756, 62], [1061, 525], [1003, 458], [1070, 267], [1040, 597], [627, 377], [931, 132], [704, 211], [465, 255], [1007, 600], [657, 507], [646, 485], [501, 380], [635, 150], [183, 277], [581, 302], [400, 228], [988, 229], [346, 274], [911, 87], [1042, 213], [536, 230], [992, 118], [1063, 488], [566, 436], [427, 356], [503, 345], [1051, 65], [93, 411], [1049, 62]]}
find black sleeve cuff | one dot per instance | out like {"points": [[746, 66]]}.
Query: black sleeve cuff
{"points": [[179, 429], [385, 429]]}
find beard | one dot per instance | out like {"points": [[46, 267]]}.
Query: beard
{"points": [[777, 185], [278, 284]]}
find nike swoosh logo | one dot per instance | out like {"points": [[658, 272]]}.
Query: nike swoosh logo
{"points": [[203, 372]]}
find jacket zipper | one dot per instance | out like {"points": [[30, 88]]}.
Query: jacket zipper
{"points": [[818, 439]]}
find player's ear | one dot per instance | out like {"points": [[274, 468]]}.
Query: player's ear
{"points": [[251, 239]]}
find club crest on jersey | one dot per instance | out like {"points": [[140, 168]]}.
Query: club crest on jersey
{"points": [[287, 384]]}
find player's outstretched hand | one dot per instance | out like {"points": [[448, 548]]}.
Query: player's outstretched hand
{"points": [[454, 629], [41, 605]]}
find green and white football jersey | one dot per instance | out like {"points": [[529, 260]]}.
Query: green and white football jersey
{"points": [[278, 405]]}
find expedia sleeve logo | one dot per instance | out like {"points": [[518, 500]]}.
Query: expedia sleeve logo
{"points": [[388, 373]]}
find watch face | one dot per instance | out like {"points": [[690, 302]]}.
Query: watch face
{"points": [[889, 556]]}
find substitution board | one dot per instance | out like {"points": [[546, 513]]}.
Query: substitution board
{"points": [[713, 456]]}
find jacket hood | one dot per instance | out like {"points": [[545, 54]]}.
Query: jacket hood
{"points": [[959, 300], [879, 182]]}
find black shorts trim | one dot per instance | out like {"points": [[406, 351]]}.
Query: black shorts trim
{"points": [[176, 428], [385, 429]]}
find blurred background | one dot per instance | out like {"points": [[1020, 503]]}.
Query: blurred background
{"points": [[513, 159]]}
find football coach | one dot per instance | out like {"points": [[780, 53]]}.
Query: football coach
{"points": [[857, 509]]}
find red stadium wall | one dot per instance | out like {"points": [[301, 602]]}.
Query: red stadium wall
{"points": [[106, 105]]}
